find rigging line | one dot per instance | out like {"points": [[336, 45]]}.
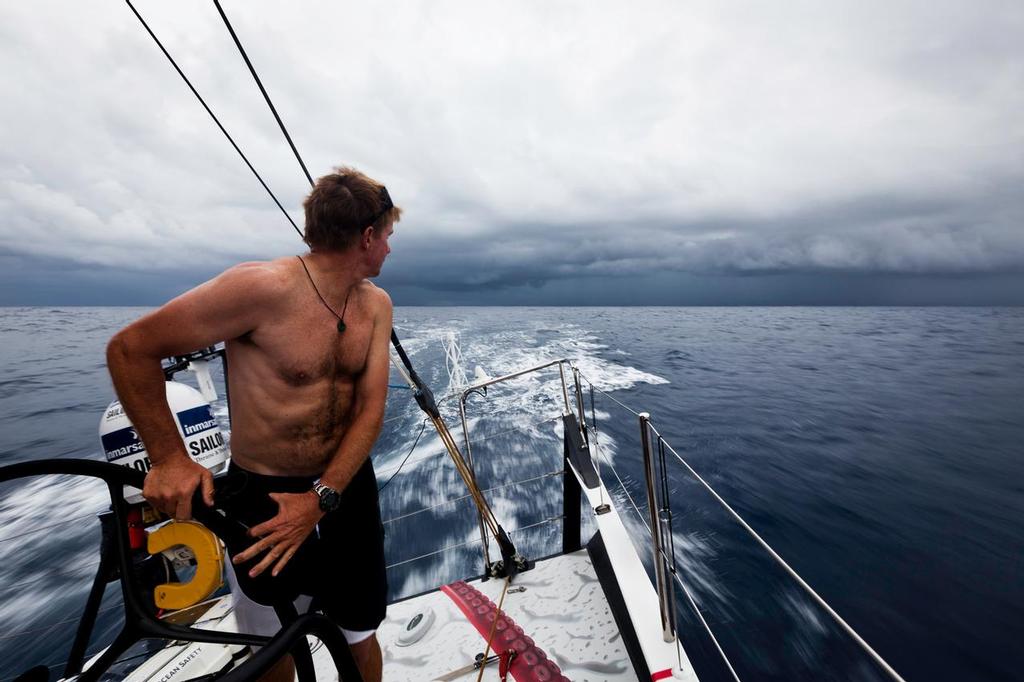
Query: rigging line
{"points": [[707, 627], [608, 462], [610, 397], [792, 573], [538, 523], [414, 462], [485, 511], [462, 498], [259, 83], [426, 401], [51, 626], [64, 573], [411, 450], [494, 629], [212, 115], [52, 525], [675, 574], [468, 475], [475, 440], [430, 554]]}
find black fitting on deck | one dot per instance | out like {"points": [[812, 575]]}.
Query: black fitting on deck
{"points": [[512, 563]]}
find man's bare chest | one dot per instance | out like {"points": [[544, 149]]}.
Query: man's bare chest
{"points": [[300, 367], [312, 351]]}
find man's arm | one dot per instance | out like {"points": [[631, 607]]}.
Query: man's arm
{"points": [[281, 536], [223, 308]]}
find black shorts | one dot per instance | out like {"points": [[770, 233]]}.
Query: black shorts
{"points": [[341, 565]]}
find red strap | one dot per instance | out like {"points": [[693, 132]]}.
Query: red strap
{"points": [[661, 674], [504, 662]]}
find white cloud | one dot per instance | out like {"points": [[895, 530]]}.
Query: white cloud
{"points": [[732, 129]]}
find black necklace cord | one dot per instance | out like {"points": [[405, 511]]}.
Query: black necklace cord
{"points": [[212, 115], [341, 318], [259, 83]]}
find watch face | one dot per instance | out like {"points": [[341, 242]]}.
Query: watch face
{"points": [[329, 499]]}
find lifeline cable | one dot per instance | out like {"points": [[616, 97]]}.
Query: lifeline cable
{"points": [[494, 628], [860, 641]]}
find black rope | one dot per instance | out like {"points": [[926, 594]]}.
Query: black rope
{"points": [[414, 444], [593, 411], [424, 396], [666, 506], [670, 562], [212, 115], [273, 110]]}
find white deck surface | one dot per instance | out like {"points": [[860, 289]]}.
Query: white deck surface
{"points": [[562, 608], [559, 604]]}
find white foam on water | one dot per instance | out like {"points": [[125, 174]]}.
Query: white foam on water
{"points": [[808, 638], [505, 352], [50, 541], [525, 404], [693, 552], [464, 558]]}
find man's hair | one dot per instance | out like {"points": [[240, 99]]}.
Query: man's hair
{"points": [[341, 206]]}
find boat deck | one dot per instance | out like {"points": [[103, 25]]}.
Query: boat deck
{"points": [[559, 606]]}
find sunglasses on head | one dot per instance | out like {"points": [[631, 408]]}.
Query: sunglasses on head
{"points": [[386, 205]]}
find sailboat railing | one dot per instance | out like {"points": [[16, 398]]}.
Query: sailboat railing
{"points": [[649, 434], [480, 387], [661, 533], [846, 627]]}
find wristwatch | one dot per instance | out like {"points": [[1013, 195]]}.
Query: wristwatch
{"points": [[329, 497]]}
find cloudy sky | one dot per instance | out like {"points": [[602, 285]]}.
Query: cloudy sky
{"points": [[698, 152]]}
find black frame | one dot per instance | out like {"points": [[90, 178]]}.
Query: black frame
{"points": [[140, 621]]}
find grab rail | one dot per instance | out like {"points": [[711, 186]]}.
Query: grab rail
{"points": [[465, 425]]}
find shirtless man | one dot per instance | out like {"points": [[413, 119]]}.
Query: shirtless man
{"points": [[307, 343]]}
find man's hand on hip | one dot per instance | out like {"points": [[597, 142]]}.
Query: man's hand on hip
{"points": [[281, 536], [171, 484]]}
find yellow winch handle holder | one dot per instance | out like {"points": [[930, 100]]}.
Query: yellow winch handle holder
{"points": [[209, 563]]}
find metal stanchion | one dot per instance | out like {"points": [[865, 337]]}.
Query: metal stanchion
{"points": [[668, 632]]}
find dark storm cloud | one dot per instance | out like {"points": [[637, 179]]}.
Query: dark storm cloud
{"points": [[542, 154], [29, 280], [887, 235]]}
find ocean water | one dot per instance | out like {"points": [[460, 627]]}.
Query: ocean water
{"points": [[880, 451]]}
